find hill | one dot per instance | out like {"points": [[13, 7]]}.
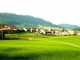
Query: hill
{"points": [[70, 26], [23, 21]]}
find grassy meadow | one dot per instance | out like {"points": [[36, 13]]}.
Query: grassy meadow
{"points": [[34, 46]]}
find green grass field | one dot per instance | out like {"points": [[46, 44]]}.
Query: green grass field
{"points": [[40, 48]]}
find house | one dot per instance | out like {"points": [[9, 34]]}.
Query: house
{"points": [[35, 29], [1, 27], [45, 31], [77, 33], [55, 31], [9, 27], [31, 29], [71, 32]]}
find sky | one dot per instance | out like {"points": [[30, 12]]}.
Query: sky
{"points": [[55, 11]]}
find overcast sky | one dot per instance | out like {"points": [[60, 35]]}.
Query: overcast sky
{"points": [[55, 11]]}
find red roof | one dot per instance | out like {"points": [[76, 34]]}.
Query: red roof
{"points": [[9, 27], [1, 27]]}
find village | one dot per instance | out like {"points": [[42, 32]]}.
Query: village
{"points": [[8, 29]]}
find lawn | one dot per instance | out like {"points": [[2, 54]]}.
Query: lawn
{"points": [[40, 48]]}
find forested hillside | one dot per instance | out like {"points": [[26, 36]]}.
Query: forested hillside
{"points": [[23, 20]]}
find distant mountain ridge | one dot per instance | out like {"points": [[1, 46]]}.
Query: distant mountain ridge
{"points": [[23, 20], [70, 26]]}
